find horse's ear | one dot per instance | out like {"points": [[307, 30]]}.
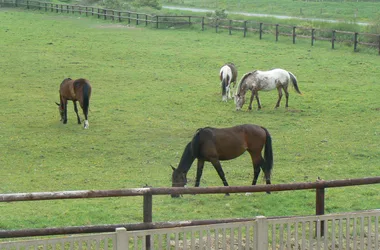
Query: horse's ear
{"points": [[57, 103]]}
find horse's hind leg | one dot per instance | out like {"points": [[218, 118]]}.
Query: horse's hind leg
{"points": [[218, 168], [76, 111], [279, 97], [286, 96]]}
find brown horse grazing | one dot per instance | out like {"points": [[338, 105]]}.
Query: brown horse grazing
{"points": [[220, 144], [75, 90]]}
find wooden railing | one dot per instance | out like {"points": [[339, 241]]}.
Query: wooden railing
{"points": [[163, 21]]}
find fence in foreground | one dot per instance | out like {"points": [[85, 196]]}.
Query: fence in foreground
{"points": [[342, 231], [354, 39]]}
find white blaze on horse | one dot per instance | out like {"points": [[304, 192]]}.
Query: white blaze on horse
{"points": [[227, 75], [265, 80]]}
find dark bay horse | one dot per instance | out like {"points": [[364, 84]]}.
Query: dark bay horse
{"points": [[265, 80], [221, 144], [227, 75], [74, 90]]}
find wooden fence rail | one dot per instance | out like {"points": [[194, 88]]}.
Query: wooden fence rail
{"points": [[295, 32], [149, 192]]}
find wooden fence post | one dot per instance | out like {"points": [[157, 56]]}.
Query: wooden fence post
{"points": [[61, 8], [312, 37], [230, 27], [216, 25], [15, 3], [27, 4], [129, 17], [113, 15], [67, 9], [333, 39], [39, 5], [355, 41], [157, 22], [72, 9], [203, 23], [148, 204], [146, 20], [260, 240], [276, 32], [45, 6], [261, 30], [51, 7], [320, 207], [119, 16], [189, 21], [137, 19], [86, 11], [294, 34], [105, 14], [245, 28], [92, 11], [98, 13]]}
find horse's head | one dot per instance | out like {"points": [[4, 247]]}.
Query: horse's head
{"points": [[239, 101], [61, 111], [178, 180]]}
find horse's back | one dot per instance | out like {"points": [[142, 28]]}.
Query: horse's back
{"points": [[229, 143]]}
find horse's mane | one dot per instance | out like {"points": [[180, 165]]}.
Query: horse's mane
{"points": [[242, 80]]}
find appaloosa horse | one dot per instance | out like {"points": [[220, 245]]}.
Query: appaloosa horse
{"points": [[265, 80]]}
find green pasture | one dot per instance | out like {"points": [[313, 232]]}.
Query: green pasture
{"points": [[348, 11], [151, 90]]}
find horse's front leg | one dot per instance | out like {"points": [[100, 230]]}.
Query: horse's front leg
{"points": [[64, 111], [218, 168], [258, 101], [200, 166], [76, 111], [251, 100]]}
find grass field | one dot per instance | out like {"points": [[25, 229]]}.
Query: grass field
{"points": [[151, 90], [348, 11]]}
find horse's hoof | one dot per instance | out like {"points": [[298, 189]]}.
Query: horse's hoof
{"points": [[65, 121]]}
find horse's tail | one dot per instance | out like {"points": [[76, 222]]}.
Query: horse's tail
{"points": [[225, 80], [294, 81], [195, 144], [268, 154], [86, 98]]}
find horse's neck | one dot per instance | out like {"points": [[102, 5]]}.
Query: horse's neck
{"points": [[187, 159]]}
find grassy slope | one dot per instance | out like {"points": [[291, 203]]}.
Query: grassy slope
{"points": [[345, 11], [151, 90]]}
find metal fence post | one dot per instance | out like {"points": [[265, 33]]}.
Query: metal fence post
{"points": [[260, 240], [312, 37], [203, 25], [230, 27], [121, 239], [261, 30]]}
